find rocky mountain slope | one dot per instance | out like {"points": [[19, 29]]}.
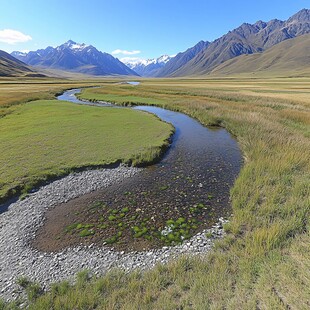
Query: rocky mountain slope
{"points": [[246, 39], [181, 59]]}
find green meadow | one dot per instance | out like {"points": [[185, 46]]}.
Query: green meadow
{"points": [[48, 138], [264, 260]]}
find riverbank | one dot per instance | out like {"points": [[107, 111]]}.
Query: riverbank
{"points": [[20, 222], [37, 148], [187, 191], [263, 262], [264, 258]]}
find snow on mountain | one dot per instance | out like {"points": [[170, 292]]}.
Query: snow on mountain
{"points": [[75, 46], [163, 59], [132, 61], [19, 54], [146, 67]]}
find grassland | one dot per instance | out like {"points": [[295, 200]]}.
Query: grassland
{"points": [[264, 261], [15, 91], [47, 138]]}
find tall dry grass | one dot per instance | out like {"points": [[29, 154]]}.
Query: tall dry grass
{"points": [[264, 261]]}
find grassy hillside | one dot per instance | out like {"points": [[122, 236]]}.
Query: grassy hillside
{"points": [[246, 39], [10, 66], [264, 262], [288, 57]]}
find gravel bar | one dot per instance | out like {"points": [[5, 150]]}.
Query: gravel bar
{"points": [[18, 226]]}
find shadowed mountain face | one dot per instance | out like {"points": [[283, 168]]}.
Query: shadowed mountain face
{"points": [[290, 56], [75, 57], [10, 66], [246, 39], [181, 59]]}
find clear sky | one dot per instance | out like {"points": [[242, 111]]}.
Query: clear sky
{"points": [[143, 28]]}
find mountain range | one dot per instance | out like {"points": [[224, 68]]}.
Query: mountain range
{"points": [[246, 39], [72, 56], [291, 56], [249, 48], [148, 67]]}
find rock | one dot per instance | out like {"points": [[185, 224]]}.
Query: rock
{"points": [[20, 222]]}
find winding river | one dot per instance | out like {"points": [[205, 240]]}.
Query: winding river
{"points": [[191, 182]]}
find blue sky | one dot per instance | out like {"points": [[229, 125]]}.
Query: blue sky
{"points": [[147, 27]]}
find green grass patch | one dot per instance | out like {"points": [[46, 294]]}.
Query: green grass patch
{"points": [[45, 139], [86, 232]]}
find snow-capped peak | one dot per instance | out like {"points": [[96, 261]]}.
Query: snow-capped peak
{"points": [[132, 62], [146, 67], [160, 60], [20, 54], [163, 59], [75, 46], [78, 46]]}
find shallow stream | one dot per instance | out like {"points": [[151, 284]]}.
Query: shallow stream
{"points": [[189, 188]]}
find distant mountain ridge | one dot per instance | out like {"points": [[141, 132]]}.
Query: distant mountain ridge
{"points": [[246, 39], [75, 57], [291, 56], [148, 67], [204, 58], [10, 66]]}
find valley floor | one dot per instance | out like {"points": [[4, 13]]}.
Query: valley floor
{"points": [[264, 261]]}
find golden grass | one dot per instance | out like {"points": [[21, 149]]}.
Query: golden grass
{"points": [[19, 90], [263, 263]]}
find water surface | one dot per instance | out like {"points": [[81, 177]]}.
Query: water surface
{"points": [[191, 182]]}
